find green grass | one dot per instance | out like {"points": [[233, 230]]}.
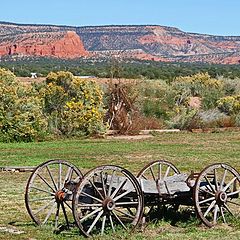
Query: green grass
{"points": [[187, 151]]}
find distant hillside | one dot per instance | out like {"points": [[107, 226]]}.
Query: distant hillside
{"points": [[158, 43]]}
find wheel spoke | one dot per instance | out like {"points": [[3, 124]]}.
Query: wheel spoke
{"points": [[215, 213], [160, 171], [43, 190], [206, 200], [222, 213], [223, 179], [204, 190], [44, 207], [122, 195], [49, 213], [119, 220], [86, 194], [152, 173], [60, 176], [40, 199], [229, 184], [57, 215], [237, 204], [90, 205], [233, 193], [44, 180], [124, 213], [68, 176], [51, 176], [95, 221], [91, 214], [103, 224], [229, 210], [68, 205], [94, 186], [125, 203], [111, 222], [65, 213], [210, 208], [121, 185], [103, 185], [209, 184], [110, 185], [167, 172], [215, 179]]}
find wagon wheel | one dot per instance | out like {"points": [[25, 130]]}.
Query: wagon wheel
{"points": [[107, 198], [216, 194], [157, 171], [49, 192]]}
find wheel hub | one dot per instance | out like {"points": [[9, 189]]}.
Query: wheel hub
{"points": [[108, 204], [221, 197], [59, 196]]}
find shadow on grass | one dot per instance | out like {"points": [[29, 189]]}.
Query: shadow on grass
{"points": [[176, 217]]}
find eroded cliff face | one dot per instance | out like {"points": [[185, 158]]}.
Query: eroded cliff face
{"points": [[157, 43], [54, 44]]}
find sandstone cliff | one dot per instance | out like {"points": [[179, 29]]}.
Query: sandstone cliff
{"points": [[158, 43], [55, 44]]}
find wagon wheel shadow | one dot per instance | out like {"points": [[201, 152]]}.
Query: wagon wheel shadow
{"points": [[173, 216], [62, 229]]}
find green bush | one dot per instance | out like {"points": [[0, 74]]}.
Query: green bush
{"points": [[21, 115], [230, 104], [157, 99], [73, 106], [184, 119], [201, 85]]}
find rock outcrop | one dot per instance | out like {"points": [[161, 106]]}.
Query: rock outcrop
{"points": [[157, 43], [53, 44]]}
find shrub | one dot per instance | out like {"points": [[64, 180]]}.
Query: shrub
{"points": [[231, 86], [156, 99], [184, 119], [202, 85], [230, 104], [213, 118], [237, 120], [74, 106], [21, 115]]}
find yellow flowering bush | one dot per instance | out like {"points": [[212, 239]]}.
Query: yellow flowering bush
{"points": [[230, 104], [21, 115], [74, 105]]}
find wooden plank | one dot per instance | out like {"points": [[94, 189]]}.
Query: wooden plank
{"points": [[169, 186]]}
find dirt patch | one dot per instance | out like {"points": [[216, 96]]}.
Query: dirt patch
{"points": [[130, 137]]}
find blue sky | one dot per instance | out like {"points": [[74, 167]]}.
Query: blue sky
{"points": [[219, 17]]}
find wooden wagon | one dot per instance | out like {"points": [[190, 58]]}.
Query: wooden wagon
{"points": [[110, 197]]}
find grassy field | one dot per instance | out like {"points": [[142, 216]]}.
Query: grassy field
{"points": [[187, 151]]}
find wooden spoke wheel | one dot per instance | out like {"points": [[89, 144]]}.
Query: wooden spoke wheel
{"points": [[49, 192], [107, 198], [158, 171], [216, 194]]}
